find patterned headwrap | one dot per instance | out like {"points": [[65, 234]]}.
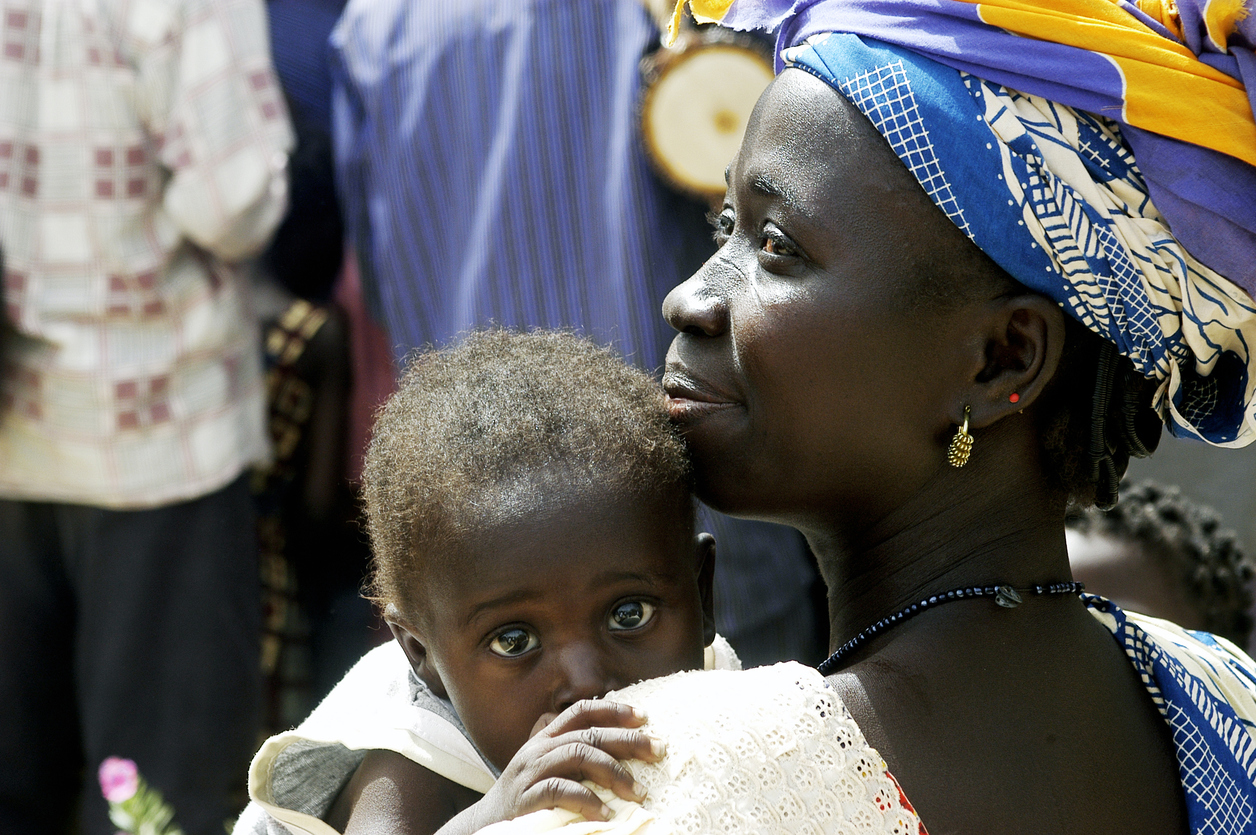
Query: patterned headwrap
{"points": [[1022, 120]]}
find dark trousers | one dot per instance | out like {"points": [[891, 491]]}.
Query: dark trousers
{"points": [[131, 634]]}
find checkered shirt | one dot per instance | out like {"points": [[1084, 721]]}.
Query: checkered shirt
{"points": [[142, 154]]}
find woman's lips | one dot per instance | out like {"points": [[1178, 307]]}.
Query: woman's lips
{"points": [[688, 399]]}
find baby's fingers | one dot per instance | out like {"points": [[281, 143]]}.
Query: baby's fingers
{"points": [[581, 761], [591, 713], [558, 793], [620, 743]]}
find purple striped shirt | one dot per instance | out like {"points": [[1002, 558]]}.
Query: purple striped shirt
{"points": [[491, 170]]}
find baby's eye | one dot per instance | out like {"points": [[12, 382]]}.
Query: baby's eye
{"points": [[632, 614], [513, 643]]}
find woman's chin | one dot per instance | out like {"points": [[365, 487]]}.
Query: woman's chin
{"points": [[726, 478], [715, 432], [730, 493]]}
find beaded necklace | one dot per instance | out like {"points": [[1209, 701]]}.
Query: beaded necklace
{"points": [[1005, 596]]}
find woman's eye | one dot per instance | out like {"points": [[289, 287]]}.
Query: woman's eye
{"points": [[513, 642], [774, 243], [721, 225], [631, 615]]}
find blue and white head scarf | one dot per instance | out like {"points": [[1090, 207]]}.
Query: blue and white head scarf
{"points": [[1055, 197]]}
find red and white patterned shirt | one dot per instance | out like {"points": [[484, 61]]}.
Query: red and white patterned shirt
{"points": [[143, 146]]}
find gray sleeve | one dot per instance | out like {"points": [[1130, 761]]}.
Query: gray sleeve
{"points": [[254, 821]]}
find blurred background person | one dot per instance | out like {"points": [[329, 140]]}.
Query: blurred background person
{"points": [[313, 554], [143, 146], [490, 167], [1160, 554], [1208, 475], [329, 366]]}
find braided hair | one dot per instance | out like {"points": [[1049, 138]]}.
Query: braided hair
{"points": [[1096, 414]]}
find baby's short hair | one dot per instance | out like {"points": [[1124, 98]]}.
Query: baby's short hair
{"points": [[498, 411]]}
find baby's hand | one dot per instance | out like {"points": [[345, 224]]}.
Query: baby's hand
{"points": [[583, 743]]}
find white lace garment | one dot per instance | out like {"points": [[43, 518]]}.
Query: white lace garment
{"points": [[764, 751]]}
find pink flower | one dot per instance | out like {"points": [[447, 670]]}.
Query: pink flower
{"points": [[119, 779]]}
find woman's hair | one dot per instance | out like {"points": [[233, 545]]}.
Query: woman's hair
{"points": [[1094, 416], [1187, 538], [495, 413]]}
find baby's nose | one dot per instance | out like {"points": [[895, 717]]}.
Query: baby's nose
{"points": [[582, 672]]}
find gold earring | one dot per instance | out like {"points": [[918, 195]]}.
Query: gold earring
{"points": [[961, 444]]}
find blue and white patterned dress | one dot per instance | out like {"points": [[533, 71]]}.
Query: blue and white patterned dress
{"points": [[1205, 687]]}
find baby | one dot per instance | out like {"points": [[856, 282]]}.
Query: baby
{"points": [[529, 510]]}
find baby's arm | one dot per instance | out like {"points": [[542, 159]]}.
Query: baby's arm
{"points": [[391, 794]]}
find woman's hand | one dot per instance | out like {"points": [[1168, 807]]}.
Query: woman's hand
{"points": [[584, 742]]}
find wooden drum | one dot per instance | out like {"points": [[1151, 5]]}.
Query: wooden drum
{"points": [[697, 97]]}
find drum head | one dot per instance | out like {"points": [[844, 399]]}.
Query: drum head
{"points": [[695, 110]]}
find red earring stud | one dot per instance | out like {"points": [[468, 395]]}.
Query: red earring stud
{"points": [[1014, 398]]}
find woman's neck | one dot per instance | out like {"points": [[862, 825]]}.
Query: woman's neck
{"points": [[953, 533]]}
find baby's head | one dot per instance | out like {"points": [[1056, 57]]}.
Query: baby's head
{"points": [[529, 510]]}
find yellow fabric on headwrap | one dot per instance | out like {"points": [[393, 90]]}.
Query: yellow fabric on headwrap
{"points": [[1158, 73], [1165, 12], [1222, 19], [704, 11]]}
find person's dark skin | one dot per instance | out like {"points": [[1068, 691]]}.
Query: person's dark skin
{"points": [[569, 591], [819, 374]]}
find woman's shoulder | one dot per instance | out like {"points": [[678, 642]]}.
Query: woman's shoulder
{"points": [[1205, 687], [1221, 668]]}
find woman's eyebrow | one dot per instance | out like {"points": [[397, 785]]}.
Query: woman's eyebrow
{"points": [[763, 183]]}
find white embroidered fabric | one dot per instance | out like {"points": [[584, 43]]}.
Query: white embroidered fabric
{"points": [[765, 751], [379, 704]]}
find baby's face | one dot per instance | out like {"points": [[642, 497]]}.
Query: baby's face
{"points": [[563, 598]]}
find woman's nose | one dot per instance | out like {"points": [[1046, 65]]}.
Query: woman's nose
{"points": [[693, 307], [582, 673]]}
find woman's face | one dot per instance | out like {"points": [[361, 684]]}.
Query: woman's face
{"points": [[809, 374]]}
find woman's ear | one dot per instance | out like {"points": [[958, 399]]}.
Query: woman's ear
{"points": [[1022, 352], [415, 647], [704, 547]]}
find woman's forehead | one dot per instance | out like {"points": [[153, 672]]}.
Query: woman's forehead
{"points": [[808, 143], [811, 153]]}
